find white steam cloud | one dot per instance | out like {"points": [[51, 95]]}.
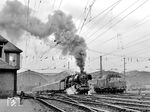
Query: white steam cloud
{"points": [[15, 19]]}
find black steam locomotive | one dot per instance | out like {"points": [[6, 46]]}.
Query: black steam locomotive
{"points": [[78, 80]]}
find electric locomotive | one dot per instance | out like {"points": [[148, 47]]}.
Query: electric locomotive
{"points": [[112, 82]]}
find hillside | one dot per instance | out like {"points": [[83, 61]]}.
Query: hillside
{"points": [[55, 77], [97, 74], [29, 79], [138, 78]]}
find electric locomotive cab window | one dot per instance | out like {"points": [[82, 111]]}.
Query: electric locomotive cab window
{"points": [[114, 79]]}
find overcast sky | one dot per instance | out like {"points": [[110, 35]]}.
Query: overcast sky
{"points": [[113, 32]]}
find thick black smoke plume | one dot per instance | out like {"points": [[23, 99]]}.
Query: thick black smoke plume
{"points": [[15, 19]]}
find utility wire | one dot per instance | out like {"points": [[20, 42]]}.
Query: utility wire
{"points": [[143, 52], [114, 18], [137, 51], [118, 21], [85, 19], [53, 5], [103, 53], [60, 4], [137, 24], [130, 45], [136, 40], [84, 11], [26, 37], [109, 8]]}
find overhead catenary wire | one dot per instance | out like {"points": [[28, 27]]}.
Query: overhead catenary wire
{"points": [[60, 4], [133, 60], [108, 8], [27, 21], [131, 45], [84, 11], [116, 55], [137, 51], [139, 24], [143, 52], [114, 18], [85, 19], [117, 22], [106, 53], [105, 12], [53, 6]]}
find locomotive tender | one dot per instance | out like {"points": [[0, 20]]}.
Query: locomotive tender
{"points": [[112, 82], [78, 80]]}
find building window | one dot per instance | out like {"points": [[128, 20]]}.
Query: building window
{"points": [[13, 59]]}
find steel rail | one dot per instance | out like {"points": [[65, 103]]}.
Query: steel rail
{"points": [[50, 105], [81, 106], [100, 104]]}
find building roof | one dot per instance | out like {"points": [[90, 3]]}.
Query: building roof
{"points": [[5, 65], [9, 47], [3, 40]]}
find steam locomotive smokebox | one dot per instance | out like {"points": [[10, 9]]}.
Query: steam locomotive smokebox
{"points": [[82, 71], [89, 76]]}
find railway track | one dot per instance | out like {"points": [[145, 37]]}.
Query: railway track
{"points": [[98, 106], [69, 105], [60, 105], [66, 99], [128, 103], [125, 100], [128, 96], [51, 106], [111, 105], [95, 103]]}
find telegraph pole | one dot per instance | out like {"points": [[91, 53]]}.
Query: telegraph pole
{"points": [[124, 67], [68, 65], [101, 65]]}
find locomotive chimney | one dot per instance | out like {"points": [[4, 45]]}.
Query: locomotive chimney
{"points": [[81, 70]]}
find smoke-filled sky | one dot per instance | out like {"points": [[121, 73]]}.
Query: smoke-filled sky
{"points": [[45, 30]]}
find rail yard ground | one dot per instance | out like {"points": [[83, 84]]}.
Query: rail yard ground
{"points": [[28, 105], [127, 102]]}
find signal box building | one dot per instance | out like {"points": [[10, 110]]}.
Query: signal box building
{"points": [[9, 64]]}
